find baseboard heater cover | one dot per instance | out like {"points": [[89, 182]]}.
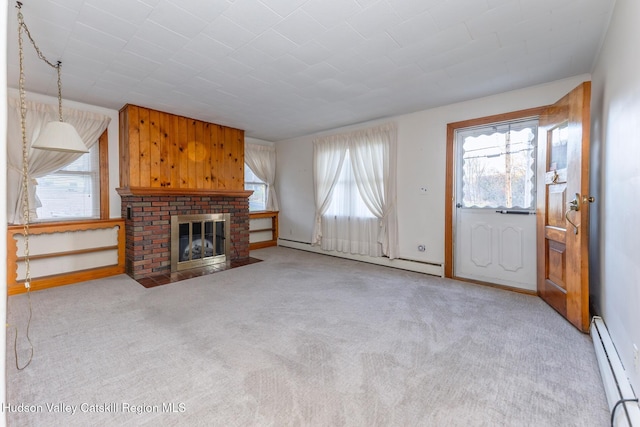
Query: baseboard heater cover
{"points": [[400, 263], [623, 403]]}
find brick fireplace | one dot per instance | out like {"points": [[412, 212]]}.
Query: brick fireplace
{"points": [[148, 227], [174, 165]]}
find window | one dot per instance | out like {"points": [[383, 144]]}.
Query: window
{"points": [[258, 200], [498, 165], [346, 200], [72, 192], [354, 183]]}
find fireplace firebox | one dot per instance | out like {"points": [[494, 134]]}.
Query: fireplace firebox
{"points": [[199, 240]]}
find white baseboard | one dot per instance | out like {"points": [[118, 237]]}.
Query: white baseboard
{"points": [[616, 382], [403, 264]]}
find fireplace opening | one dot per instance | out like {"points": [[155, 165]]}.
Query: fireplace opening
{"points": [[199, 240]]}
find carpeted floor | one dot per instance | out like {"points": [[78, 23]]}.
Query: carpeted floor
{"points": [[299, 340]]}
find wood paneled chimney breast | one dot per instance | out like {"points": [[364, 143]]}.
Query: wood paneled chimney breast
{"points": [[162, 150]]}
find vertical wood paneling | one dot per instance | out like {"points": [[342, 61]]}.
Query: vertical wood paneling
{"points": [[239, 182], [124, 146], [165, 150], [233, 158], [199, 157], [213, 164], [144, 159], [224, 155], [206, 163], [174, 154], [134, 147], [183, 159], [154, 147], [191, 154], [239, 159], [218, 160], [165, 140]]}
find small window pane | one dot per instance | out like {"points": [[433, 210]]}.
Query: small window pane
{"points": [[258, 200], [346, 200], [72, 192], [498, 166], [559, 138]]}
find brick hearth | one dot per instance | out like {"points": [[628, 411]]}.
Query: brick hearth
{"points": [[148, 228]]}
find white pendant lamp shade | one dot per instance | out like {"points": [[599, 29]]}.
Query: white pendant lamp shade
{"points": [[60, 136]]}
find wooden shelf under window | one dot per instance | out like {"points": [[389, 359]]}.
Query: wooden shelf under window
{"points": [[265, 232]]}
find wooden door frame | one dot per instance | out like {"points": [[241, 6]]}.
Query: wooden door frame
{"points": [[451, 170]]}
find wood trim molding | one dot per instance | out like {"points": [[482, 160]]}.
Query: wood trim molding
{"points": [[15, 286], [273, 229], [103, 146], [156, 191], [450, 173]]}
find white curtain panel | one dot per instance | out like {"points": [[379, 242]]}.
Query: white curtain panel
{"points": [[348, 225], [328, 157], [351, 235], [372, 160], [373, 157], [262, 161], [41, 162]]}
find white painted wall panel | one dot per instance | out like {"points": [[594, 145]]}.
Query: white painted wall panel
{"points": [[615, 182]]}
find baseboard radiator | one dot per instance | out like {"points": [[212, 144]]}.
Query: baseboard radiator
{"points": [[623, 402], [433, 269]]}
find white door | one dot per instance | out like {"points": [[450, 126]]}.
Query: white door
{"points": [[495, 225]]}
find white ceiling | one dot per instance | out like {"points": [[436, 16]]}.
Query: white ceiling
{"points": [[285, 68]]}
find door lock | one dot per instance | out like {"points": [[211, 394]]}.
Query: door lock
{"points": [[574, 205]]}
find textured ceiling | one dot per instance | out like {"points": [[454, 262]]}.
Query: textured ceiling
{"points": [[285, 68]]}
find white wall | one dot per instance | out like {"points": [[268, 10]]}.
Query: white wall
{"points": [[421, 163], [3, 209], [615, 135]]}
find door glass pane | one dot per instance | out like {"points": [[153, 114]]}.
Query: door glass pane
{"points": [[208, 239], [185, 249], [498, 165], [559, 137], [220, 239], [197, 245]]}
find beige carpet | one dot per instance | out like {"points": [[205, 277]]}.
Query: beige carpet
{"points": [[300, 340]]}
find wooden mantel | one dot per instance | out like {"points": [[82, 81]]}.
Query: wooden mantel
{"points": [[163, 191]]}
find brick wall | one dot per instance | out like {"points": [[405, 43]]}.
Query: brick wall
{"points": [[148, 228]]}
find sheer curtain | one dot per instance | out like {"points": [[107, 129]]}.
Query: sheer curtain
{"points": [[373, 156], [356, 197], [262, 161], [328, 157], [41, 162]]}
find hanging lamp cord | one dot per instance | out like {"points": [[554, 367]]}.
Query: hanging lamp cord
{"points": [[26, 209], [57, 65]]}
